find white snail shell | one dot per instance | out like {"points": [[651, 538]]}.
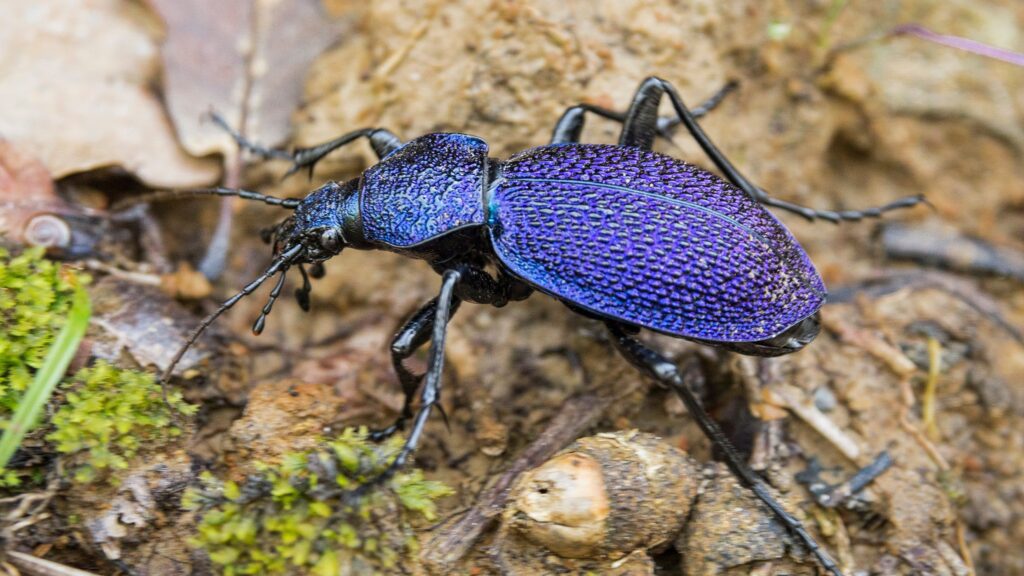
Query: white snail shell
{"points": [[47, 230]]}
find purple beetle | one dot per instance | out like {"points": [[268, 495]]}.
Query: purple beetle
{"points": [[622, 234]]}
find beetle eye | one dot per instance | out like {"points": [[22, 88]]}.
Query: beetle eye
{"points": [[330, 240]]}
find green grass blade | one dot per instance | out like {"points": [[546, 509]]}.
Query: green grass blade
{"points": [[46, 379]]}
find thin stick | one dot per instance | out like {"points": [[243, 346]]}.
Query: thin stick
{"points": [[454, 540]]}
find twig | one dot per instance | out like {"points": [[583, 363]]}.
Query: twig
{"points": [[963, 290], [908, 426], [796, 401], [33, 566], [961, 541], [893, 357], [136, 277], [946, 248], [930, 386]]}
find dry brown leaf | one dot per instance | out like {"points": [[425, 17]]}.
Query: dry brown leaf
{"points": [[23, 179], [244, 59], [73, 90]]}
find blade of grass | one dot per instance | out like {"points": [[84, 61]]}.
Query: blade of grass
{"points": [[965, 44], [57, 360]]}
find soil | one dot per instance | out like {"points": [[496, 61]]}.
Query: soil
{"points": [[819, 118]]}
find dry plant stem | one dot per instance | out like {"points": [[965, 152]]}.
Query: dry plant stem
{"points": [[30, 565], [396, 57], [899, 364], [896, 360], [930, 387], [841, 540], [31, 508], [797, 402], [136, 277], [914, 431], [965, 551], [578, 414], [890, 281]]}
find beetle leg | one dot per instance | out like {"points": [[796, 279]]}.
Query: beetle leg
{"points": [[666, 373], [431, 393], [413, 335], [382, 141], [475, 285], [570, 125], [637, 130]]}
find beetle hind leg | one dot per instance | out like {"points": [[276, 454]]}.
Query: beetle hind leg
{"points": [[570, 125], [639, 130], [665, 372]]}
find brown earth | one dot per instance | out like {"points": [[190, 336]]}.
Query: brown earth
{"points": [[817, 119]]}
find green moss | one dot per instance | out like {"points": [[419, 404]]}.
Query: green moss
{"points": [[35, 296], [108, 414], [302, 514]]}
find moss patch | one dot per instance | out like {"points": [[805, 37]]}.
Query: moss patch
{"points": [[109, 414], [304, 513], [35, 296]]}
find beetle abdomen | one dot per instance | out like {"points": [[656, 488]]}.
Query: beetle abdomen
{"points": [[425, 189], [647, 239]]}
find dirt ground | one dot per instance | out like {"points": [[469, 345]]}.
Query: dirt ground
{"points": [[926, 364]]}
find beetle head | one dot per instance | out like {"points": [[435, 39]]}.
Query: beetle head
{"points": [[318, 225]]}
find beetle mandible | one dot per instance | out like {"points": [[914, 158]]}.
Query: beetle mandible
{"points": [[620, 233]]}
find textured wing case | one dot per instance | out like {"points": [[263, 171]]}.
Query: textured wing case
{"points": [[428, 187], [650, 240]]}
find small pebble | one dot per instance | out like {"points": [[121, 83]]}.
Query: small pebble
{"points": [[824, 399]]}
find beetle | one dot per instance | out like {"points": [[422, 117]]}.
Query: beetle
{"points": [[619, 233]]}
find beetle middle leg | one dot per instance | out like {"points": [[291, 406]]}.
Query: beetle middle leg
{"points": [[570, 125], [381, 140], [642, 124], [665, 372]]}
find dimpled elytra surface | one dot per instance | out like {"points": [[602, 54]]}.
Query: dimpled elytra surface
{"points": [[429, 186], [651, 240]]}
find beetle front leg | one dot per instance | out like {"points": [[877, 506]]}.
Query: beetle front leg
{"points": [[381, 140], [410, 338], [475, 285], [666, 373], [570, 125], [431, 393]]}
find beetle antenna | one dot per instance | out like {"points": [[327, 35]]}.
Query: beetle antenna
{"points": [[261, 320], [164, 195], [276, 266]]}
